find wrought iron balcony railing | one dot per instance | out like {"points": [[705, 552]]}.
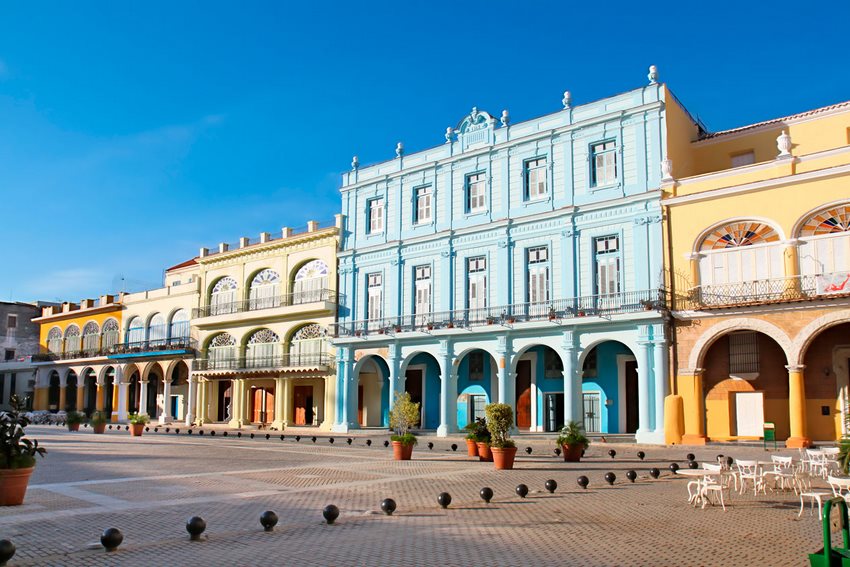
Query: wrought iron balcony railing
{"points": [[249, 363], [175, 343], [556, 310], [256, 304], [774, 290]]}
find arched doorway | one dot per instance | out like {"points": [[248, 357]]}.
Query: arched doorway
{"points": [[134, 392], [477, 385], [71, 391], [154, 391], [539, 389], [53, 392], [610, 389], [826, 361], [90, 391], [422, 382], [109, 391], [373, 386], [745, 384], [177, 404]]}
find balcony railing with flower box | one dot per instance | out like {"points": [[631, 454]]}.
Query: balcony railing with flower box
{"points": [[255, 363], [150, 346], [767, 291], [606, 305], [259, 303]]}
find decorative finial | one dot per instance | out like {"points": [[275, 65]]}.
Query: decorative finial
{"points": [[399, 149], [355, 162], [506, 118], [449, 133], [667, 170], [653, 74], [783, 142], [567, 100], [474, 113]]}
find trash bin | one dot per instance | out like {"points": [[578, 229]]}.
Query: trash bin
{"points": [[769, 435]]}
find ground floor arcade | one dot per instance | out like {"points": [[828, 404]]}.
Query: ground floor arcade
{"points": [[611, 375]]}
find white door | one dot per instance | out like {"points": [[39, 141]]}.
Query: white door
{"points": [[592, 410], [749, 414]]}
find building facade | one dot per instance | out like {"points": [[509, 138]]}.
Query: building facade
{"points": [[519, 263], [757, 225], [18, 341]]}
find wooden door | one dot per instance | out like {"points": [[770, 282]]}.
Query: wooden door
{"points": [[303, 402], [631, 397], [268, 409], [523, 394], [257, 405]]}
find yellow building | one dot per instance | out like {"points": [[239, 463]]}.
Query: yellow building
{"points": [[757, 246]]}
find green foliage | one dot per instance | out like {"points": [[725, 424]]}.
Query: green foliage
{"points": [[406, 439], [573, 434], [404, 415], [478, 431], [16, 450], [500, 418], [138, 418], [98, 418], [74, 418]]}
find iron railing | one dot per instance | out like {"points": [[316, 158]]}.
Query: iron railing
{"points": [[248, 363], [756, 292], [175, 343], [556, 310], [256, 304]]}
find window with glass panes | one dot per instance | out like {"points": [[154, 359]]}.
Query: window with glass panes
{"points": [[422, 275], [376, 216], [603, 158], [423, 205], [535, 178], [476, 273], [538, 274], [374, 300], [607, 265], [475, 190]]}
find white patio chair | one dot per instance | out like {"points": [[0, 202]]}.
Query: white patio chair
{"points": [[750, 471], [831, 457], [817, 462], [714, 484], [840, 486], [782, 473], [803, 482]]}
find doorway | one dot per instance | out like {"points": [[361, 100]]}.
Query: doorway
{"points": [[523, 394], [631, 382], [592, 409], [263, 405], [224, 395], [413, 386], [303, 402]]}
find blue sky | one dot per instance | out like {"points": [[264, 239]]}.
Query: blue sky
{"points": [[132, 133]]}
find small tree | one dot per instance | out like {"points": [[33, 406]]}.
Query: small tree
{"points": [[16, 450], [403, 416], [500, 417]]}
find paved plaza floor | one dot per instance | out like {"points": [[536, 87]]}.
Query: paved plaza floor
{"points": [[147, 487]]}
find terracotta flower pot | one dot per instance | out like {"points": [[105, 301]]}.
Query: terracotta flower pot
{"points": [[136, 429], [471, 448], [572, 453], [402, 452], [99, 427], [503, 457], [484, 453], [13, 485], [73, 427]]}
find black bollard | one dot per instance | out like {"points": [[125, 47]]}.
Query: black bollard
{"points": [[610, 478], [444, 499], [486, 494], [454, 446], [7, 551], [693, 465], [282, 437], [268, 436], [631, 475], [690, 456], [521, 490], [641, 455], [654, 473], [386, 443], [388, 506], [368, 442], [268, 520], [331, 513], [297, 438], [528, 450], [195, 526], [252, 436], [313, 439], [557, 451], [349, 441], [430, 446], [331, 440], [673, 467], [612, 453], [551, 486], [111, 538], [583, 481]]}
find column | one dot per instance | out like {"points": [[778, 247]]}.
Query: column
{"points": [[394, 364], [573, 403], [644, 373], [689, 382], [143, 397], [201, 417], [115, 398], [503, 362], [448, 391], [329, 411], [191, 410], [345, 378], [235, 402], [793, 285], [122, 400], [797, 408], [98, 404], [81, 394], [660, 356], [62, 397], [165, 416], [286, 403]]}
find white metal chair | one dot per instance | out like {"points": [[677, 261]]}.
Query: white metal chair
{"points": [[831, 457], [714, 484], [803, 482], [782, 473], [750, 471], [840, 486], [818, 464]]}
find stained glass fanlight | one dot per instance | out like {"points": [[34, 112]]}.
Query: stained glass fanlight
{"points": [[743, 233], [829, 221]]}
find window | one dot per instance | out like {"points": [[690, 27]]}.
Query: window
{"points": [[475, 189], [607, 265], [54, 340], [264, 290], [10, 354], [476, 290], [11, 322], [311, 281], [422, 304], [603, 157], [110, 333], [744, 354], [308, 345], [423, 205], [476, 365], [223, 296], [744, 158], [262, 349], [553, 367], [590, 363], [535, 178], [538, 274], [375, 299], [376, 216]]}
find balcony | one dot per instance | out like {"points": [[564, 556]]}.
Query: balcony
{"points": [[326, 299], [557, 310], [767, 291], [266, 363], [122, 349]]}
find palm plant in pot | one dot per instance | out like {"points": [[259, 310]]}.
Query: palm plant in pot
{"points": [[403, 416], [98, 422], [500, 417], [73, 420], [137, 423], [17, 454], [573, 441]]}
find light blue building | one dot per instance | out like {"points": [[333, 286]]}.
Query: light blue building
{"points": [[519, 263]]}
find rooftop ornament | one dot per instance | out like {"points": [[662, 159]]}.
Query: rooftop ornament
{"points": [[567, 101], [783, 143], [355, 163], [653, 75], [506, 118], [449, 133], [399, 149]]}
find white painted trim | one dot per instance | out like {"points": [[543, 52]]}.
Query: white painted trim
{"points": [[622, 359]]}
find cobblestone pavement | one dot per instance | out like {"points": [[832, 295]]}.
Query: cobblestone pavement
{"points": [[147, 487]]}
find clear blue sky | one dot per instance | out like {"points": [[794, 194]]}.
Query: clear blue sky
{"points": [[131, 133]]}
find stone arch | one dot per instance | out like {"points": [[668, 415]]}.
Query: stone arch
{"points": [[809, 333], [704, 342], [372, 409], [420, 377]]}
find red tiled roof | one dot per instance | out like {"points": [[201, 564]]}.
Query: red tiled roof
{"points": [[806, 114], [182, 265]]}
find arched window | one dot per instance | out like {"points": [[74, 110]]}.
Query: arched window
{"points": [[110, 334], [223, 296], [825, 242], [263, 349], [307, 346], [310, 280], [136, 332], [91, 337], [265, 290], [157, 330], [179, 326], [72, 339], [222, 351], [744, 251], [54, 340]]}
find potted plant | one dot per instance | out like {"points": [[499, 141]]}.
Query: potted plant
{"points": [[471, 429], [500, 417], [98, 422], [137, 423], [573, 441], [552, 314], [17, 454], [403, 416], [73, 420], [482, 440]]}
